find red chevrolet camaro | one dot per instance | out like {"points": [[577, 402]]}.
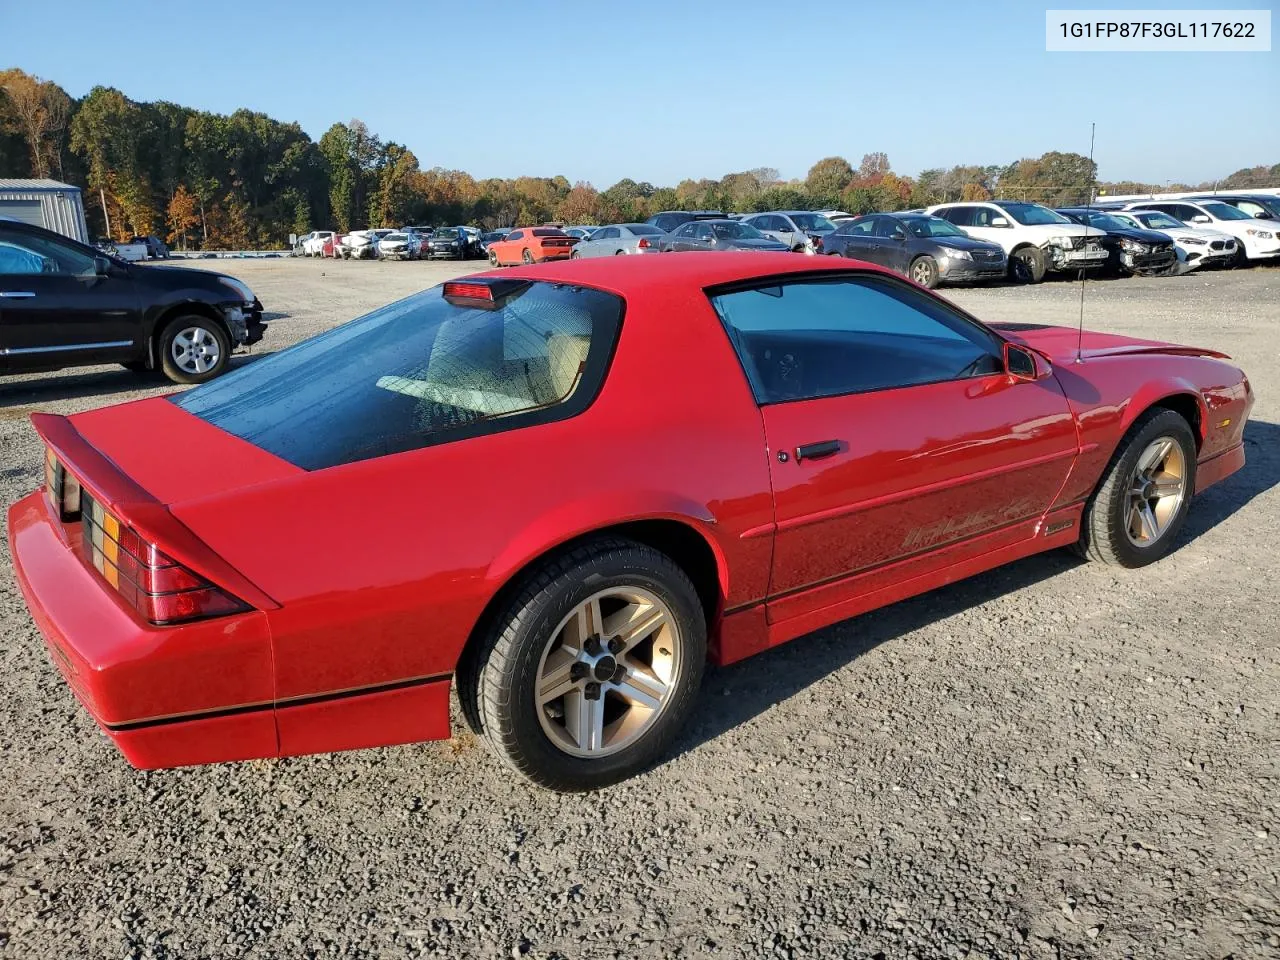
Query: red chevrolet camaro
{"points": [[565, 487]]}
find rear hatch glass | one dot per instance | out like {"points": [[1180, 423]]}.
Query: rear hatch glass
{"points": [[422, 371]]}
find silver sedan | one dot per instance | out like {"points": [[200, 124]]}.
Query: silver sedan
{"points": [[620, 238]]}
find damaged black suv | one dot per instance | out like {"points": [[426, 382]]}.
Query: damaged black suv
{"points": [[64, 304]]}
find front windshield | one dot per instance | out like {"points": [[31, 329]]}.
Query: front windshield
{"points": [[1159, 221], [813, 223], [1225, 211], [1032, 214], [1104, 221], [395, 236], [933, 227], [447, 232], [737, 231]]}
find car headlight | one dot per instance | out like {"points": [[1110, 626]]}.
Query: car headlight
{"points": [[241, 289], [1192, 241], [1133, 246], [1260, 234], [1064, 242], [954, 254]]}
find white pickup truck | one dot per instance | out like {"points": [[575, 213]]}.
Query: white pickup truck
{"points": [[122, 251]]}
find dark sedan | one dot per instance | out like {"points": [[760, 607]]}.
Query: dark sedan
{"points": [[668, 220], [1147, 253], [927, 249], [64, 304], [719, 235], [448, 243]]}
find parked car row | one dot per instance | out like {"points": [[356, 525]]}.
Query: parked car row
{"points": [[385, 243]]}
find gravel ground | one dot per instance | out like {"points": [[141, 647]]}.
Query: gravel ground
{"points": [[1053, 760]]}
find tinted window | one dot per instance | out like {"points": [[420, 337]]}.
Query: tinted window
{"points": [[608, 233], [960, 216], [702, 231], [27, 253], [862, 227], [419, 372], [887, 227], [548, 232], [643, 229], [825, 337], [515, 235]]}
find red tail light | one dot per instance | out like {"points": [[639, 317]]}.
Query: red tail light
{"points": [[643, 244], [158, 587], [469, 291]]}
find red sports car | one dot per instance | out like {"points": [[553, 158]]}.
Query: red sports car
{"points": [[564, 488], [531, 245]]}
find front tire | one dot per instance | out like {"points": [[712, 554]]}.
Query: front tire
{"points": [[924, 271], [591, 670], [1134, 516], [493, 259], [1027, 265], [194, 349]]}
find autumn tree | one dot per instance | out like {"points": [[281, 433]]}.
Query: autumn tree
{"points": [[580, 205], [827, 178], [183, 216], [38, 111]]}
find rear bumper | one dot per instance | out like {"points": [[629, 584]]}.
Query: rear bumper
{"points": [[548, 256], [203, 692], [160, 693]]}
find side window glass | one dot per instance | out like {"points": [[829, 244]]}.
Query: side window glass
{"points": [[515, 235], [887, 227], [29, 254], [822, 338]]}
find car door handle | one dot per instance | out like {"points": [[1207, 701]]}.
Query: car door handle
{"points": [[816, 451], [16, 294]]}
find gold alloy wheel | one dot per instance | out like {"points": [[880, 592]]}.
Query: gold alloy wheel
{"points": [[1157, 488], [608, 672]]}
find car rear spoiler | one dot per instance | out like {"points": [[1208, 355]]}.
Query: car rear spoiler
{"points": [[135, 506]]}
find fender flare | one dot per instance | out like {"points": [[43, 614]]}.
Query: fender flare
{"points": [[598, 514]]}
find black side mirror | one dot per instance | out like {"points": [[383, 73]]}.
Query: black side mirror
{"points": [[102, 266], [1022, 363], [1263, 215]]}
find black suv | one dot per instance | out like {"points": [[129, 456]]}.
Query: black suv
{"points": [[64, 304], [1148, 253], [668, 220]]}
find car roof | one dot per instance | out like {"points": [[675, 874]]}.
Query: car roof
{"points": [[629, 276]]}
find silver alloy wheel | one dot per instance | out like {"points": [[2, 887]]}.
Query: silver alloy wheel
{"points": [[195, 350], [1157, 488], [608, 672], [920, 272]]}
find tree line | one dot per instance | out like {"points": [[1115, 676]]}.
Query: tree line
{"points": [[245, 180]]}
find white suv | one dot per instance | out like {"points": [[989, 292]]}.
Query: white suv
{"points": [[1036, 239], [1258, 238], [1197, 246]]}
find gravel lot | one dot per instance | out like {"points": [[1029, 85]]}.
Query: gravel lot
{"points": [[1050, 760]]}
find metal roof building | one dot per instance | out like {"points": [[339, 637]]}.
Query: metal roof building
{"points": [[45, 203]]}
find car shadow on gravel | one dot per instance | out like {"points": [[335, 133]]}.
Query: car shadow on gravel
{"points": [[29, 395], [1261, 472], [732, 696]]}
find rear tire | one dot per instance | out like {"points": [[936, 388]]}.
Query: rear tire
{"points": [[563, 631], [194, 349], [1134, 516], [924, 271], [1027, 265], [526, 256]]}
